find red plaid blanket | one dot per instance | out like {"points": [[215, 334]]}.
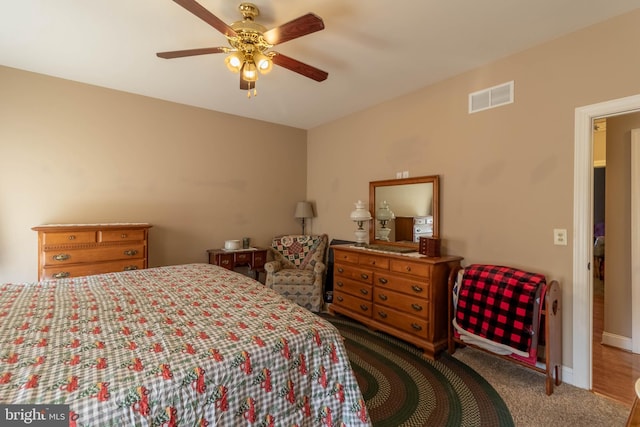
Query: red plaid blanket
{"points": [[497, 303]]}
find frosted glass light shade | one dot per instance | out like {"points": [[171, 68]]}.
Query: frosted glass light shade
{"points": [[234, 62], [384, 213], [360, 213]]}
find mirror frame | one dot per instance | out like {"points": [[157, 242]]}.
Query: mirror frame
{"points": [[434, 179]]}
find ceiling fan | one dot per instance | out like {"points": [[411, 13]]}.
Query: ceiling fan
{"points": [[250, 43]]}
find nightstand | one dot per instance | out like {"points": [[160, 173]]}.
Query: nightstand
{"points": [[254, 258]]}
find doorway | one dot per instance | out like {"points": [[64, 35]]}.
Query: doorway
{"points": [[614, 367], [583, 233]]}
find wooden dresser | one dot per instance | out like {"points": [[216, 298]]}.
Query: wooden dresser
{"points": [[402, 295], [72, 250]]}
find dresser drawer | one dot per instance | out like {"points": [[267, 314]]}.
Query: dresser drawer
{"points": [[259, 258], [359, 274], [402, 321], [225, 260], [341, 256], [410, 267], [242, 257], [61, 272], [95, 254], [68, 237], [353, 287], [414, 287], [406, 303], [374, 261], [121, 235], [355, 304]]}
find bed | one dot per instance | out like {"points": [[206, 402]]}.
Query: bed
{"points": [[191, 345]]}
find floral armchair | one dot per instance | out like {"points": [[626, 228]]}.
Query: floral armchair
{"points": [[298, 268]]}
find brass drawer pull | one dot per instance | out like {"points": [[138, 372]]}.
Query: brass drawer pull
{"points": [[364, 291], [416, 288], [416, 307], [130, 267], [131, 252], [382, 314], [340, 284], [61, 257], [383, 280], [340, 299], [383, 297], [416, 326], [61, 275], [340, 270], [372, 262], [407, 268], [224, 262], [364, 307], [72, 237], [364, 276], [123, 236]]}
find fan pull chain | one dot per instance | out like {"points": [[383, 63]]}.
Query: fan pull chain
{"points": [[255, 92]]}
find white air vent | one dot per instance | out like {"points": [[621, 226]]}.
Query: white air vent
{"points": [[491, 98]]}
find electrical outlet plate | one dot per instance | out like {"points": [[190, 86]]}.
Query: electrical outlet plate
{"points": [[560, 236]]}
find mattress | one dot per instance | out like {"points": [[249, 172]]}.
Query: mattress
{"points": [[181, 345]]}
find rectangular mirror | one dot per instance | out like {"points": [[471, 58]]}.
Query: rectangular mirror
{"points": [[404, 210]]}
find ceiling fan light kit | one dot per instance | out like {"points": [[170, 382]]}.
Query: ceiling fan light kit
{"points": [[250, 54]]}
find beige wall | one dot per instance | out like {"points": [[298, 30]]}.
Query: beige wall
{"points": [[507, 173], [74, 153], [617, 289]]}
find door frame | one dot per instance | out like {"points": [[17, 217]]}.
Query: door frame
{"points": [[635, 240], [583, 231]]}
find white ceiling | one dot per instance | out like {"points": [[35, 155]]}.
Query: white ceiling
{"points": [[373, 50]]}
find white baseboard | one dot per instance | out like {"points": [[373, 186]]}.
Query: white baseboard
{"points": [[567, 375], [617, 341]]}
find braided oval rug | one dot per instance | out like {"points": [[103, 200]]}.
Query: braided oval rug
{"points": [[402, 388]]}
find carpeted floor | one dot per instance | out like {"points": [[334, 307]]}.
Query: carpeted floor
{"points": [[402, 388], [514, 395], [523, 391]]}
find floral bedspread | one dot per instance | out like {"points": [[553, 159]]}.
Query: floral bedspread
{"points": [[186, 345]]}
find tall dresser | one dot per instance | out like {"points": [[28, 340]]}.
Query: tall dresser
{"points": [[72, 250], [403, 295]]}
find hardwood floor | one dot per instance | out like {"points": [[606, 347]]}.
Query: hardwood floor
{"points": [[615, 371]]}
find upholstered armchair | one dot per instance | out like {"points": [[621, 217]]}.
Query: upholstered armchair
{"points": [[298, 269]]}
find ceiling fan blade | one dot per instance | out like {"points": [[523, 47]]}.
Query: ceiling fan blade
{"points": [[208, 17], [190, 52], [306, 24], [299, 67], [246, 85]]}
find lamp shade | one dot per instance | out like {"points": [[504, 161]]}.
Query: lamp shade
{"points": [[234, 62], [263, 62], [384, 213], [360, 213], [249, 71], [304, 210]]}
